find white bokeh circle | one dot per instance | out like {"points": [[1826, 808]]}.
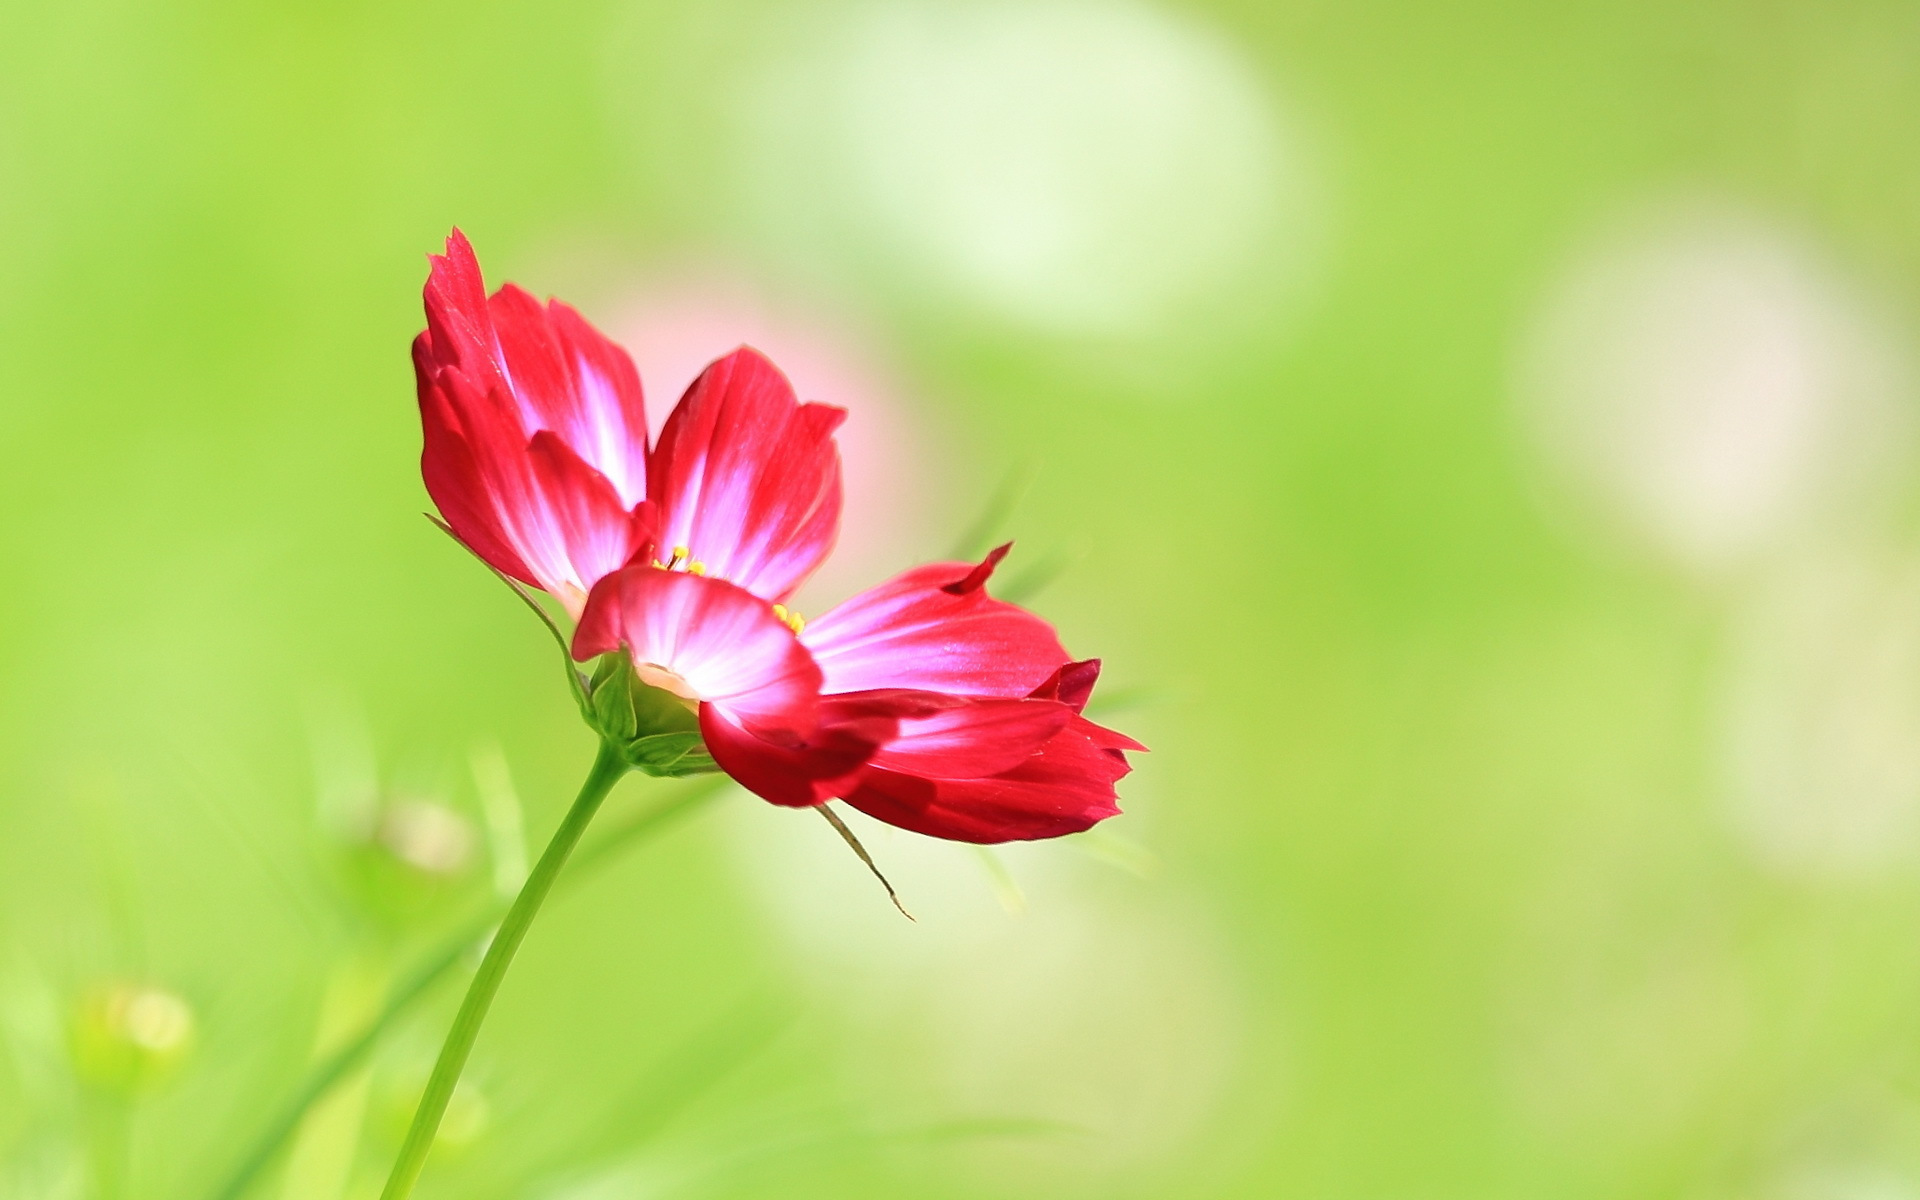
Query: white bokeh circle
{"points": [[1708, 381], [1079, 167]]}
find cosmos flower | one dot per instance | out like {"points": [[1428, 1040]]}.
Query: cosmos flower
{"points": [[924, 701]]}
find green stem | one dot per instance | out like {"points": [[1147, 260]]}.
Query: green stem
{"points": [[331, 1070], [608, 767]]}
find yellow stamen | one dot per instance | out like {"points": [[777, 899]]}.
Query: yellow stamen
{"points": [[796, 622], [658, 565], [679, 554], [780, 610], [697, 568]]}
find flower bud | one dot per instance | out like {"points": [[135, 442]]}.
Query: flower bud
{"points": [[129, 1037], [406, 856], [431, 838]]}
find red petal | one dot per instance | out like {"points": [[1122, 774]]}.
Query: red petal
{"points": [[1111, 740], [733, 653], [608, 423], [977, 578], [785, 769], [568, 378], [911, 632], [1071, 685], [557, 515], [922, 732], [747, 478], [1065, 788], [968, 739], [459, 331], [454, 480], [535, 431], [588, 529]]}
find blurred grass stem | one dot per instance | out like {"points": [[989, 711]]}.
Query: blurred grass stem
{"points": [[978, 537], [112, 1136], [608, 766], [331, 1070]]}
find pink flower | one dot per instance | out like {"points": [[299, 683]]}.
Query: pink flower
{"points": [[923, 702]]}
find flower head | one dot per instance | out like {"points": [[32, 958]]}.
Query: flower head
{"points": [[924, 701]]}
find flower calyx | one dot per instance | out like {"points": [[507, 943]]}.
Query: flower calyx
{"points": [[654, 729]]}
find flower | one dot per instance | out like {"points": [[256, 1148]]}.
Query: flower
{"points": [[937, 708], [923, 702]]}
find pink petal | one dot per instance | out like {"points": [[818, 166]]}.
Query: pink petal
{"points": [[503, 464], [557, 516], [724, 642], [608, 424], [916, 631], [1064, 788], [581, 516], [747, 478], [568, 378]]}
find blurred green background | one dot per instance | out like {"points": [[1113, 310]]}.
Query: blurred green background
{"points": [[1476, 436]]}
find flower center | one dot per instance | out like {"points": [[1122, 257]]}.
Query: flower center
{"points": [[682, 559], [792, 620], [668, 680]]}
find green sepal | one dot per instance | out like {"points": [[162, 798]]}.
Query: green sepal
{"points": [[654, 730], [670, 755]]}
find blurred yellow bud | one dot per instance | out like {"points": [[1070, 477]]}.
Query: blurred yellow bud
{"points": [[126, 1037], [429, 837]]}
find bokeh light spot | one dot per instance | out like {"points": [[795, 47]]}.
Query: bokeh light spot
{"points": [[1820, 721], [1709, 382], [1080, 168]]}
